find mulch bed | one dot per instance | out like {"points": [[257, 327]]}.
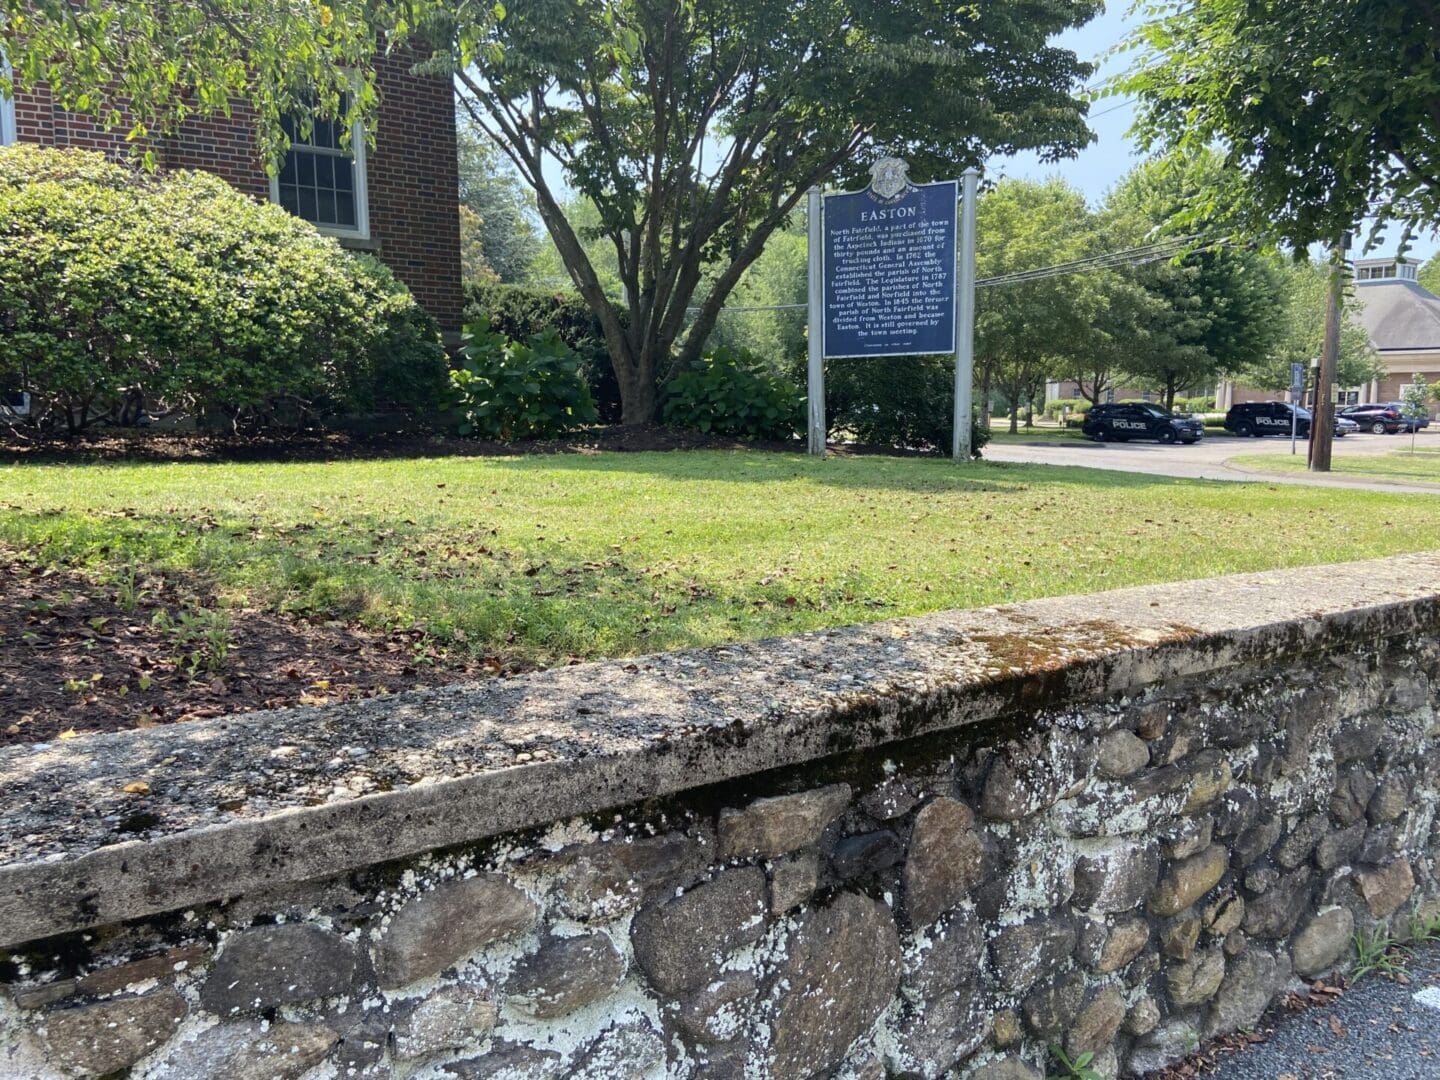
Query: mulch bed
{"points": [[75, 661], [116, 444]]}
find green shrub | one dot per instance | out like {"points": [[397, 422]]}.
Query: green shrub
{"points": [[509, 390], [906, 402], [1054, 409], [1194, 404], [519, 312], [122, 294], [730, 393]]}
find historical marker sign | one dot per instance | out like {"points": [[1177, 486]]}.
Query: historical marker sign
{"points": [[889, 267]]}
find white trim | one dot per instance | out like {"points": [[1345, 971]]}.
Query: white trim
{"points": [[9, 133], [362, 191]]}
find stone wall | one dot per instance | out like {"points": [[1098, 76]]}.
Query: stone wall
{"points": [[1121, 835]]}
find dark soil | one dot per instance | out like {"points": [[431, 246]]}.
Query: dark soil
{"points": [[140, 444], [74, 658]]}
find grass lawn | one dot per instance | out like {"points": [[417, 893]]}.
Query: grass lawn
{"points": [[1423, 466], [547, 557]]}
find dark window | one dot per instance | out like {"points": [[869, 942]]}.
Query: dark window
{"points": [[318, 180]]}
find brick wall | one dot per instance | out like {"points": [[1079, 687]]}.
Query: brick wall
{"points": [[412, 174]]}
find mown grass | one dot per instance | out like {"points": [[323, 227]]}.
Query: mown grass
{"points": [[550, 557], [1421, 466]]}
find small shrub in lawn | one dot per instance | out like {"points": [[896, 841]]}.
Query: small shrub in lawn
{"points": [[123, 294], [520, 312], [730, 393], [906, 402], [510, 390]]}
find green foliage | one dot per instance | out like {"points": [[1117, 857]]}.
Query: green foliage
{"points": [[907, 402], [1325, 109], [1077, 1068], [1300, 326], [1429, 275], [124, 294], [1377, 952], [496, 206], [509, 390], [520, 312], [1055, 408], [730, 393], [1415, 398]]}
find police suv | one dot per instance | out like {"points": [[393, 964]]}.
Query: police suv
{"points": [[1140, 421]]}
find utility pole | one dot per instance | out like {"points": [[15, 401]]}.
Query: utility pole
{"points": [[1322, 424]]}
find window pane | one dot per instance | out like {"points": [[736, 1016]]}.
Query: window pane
{"points": [[287, 170], [305, 168], [290, 198], [324, 172], [344, 175], [325, 207], [307, 204], [345, 210]]}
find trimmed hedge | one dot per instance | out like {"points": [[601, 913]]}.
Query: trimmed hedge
{"points": [[123, 294], [520, 312]]}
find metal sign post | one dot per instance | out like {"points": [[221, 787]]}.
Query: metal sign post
{"points": [[815, 379], [1297, 395], [965, 319]]}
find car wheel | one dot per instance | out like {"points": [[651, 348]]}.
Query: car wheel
{"points": [[1378, 428], [1167, 436], [1244, 430]]}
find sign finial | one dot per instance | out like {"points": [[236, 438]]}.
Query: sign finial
{"points": [[889, 177]]}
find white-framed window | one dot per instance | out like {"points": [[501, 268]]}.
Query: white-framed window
{"points": [[322, 181], [8, 131]]}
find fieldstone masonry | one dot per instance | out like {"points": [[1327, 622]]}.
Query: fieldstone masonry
{"points": [[1140, 864]]}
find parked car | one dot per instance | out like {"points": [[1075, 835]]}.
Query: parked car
{"points": [[1267, 418], [1345, 426], [1122, 423], [1409, 423], [1380, 418]]}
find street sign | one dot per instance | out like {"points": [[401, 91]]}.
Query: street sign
{"points": [[889, 267], [1297, 378]]}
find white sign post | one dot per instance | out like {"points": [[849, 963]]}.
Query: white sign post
{"points": [[965, 316], [815, 379], [1297, 395]]}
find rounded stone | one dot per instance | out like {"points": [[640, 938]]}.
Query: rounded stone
{"points": [[840, 968], [271, 966], [249, 1051], [1098, 1023], [1386, 888], [441, 928], [779, 825], [1253, 978], [1190, 879], [1324, 941], [944, 862], [680, 944], [565, 975], [93, 1040], [1192, 981], [446, 1020], [1121, 754]]}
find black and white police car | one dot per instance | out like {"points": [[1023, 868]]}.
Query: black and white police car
{"points": [[1259, 418], [1121, 423]]}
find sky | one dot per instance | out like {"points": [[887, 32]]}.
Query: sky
{"points": [[1100, 165]]}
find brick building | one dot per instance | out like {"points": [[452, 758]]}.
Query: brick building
{"points": [[398, 199]]}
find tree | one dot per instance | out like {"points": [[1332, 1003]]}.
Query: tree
{"points": [[1023, 330], [1429, 275], [496, 212], [1415, 404], [1325, 110], [1300, 324], [1214, 309], [693, 127]]}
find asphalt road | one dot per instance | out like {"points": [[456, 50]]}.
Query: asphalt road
{"points": [[1206, 460], [1378, 1030]]}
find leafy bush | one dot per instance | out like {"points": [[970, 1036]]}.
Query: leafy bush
{"points": [[730, 393], [1194, 404], [122, 294], [520, 312], [1055, 408], [509, 390], [906, 402]]}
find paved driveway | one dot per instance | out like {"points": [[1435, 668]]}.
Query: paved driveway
{"points": [[1206, 460], [1378, 1030]]}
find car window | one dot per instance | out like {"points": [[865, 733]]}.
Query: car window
{"points": [[1153, 410]]}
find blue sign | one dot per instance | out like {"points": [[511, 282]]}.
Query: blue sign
{"points": [[889, 272]]}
